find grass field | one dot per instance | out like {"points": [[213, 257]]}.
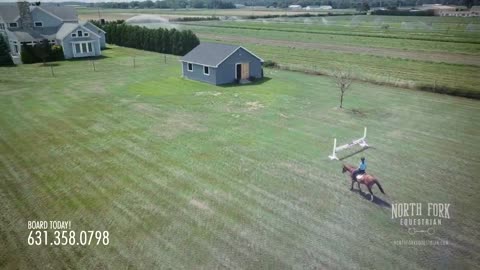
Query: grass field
{"points": [[188, 175]]}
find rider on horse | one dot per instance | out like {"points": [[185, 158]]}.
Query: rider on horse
{"points": [[361, 169]]}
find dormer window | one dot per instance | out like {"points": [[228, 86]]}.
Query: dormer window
{"points": [[13, 25], [86, 34], [79, 33], [74, 35], [38, 24]]}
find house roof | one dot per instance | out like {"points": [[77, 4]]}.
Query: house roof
{"points": [[212, 54], [10, 13], [65, 13], [24, 35], [90, 25], [68, 28]]}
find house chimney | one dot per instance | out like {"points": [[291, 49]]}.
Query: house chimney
{"points": [[26, 19]]}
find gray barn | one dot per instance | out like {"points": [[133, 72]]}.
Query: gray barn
{"points": [[221, 64]]}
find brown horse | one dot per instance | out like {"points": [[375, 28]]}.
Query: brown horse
{"points": [[367, 180]]}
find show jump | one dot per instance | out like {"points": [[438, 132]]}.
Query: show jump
{"points": [[362, 142]]}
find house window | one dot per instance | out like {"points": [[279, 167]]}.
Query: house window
{"points": [[86, 34], [190, 67], [83, 47], [38, 24], [15, 48], [2, 26], [206, 70], [74, 35], [79, 33], [13, 25]]}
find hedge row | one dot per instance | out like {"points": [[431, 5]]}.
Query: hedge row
{"points": [[169, 41]]}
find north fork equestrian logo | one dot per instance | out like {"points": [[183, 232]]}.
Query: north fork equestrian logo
{"points": [[421, 218]]}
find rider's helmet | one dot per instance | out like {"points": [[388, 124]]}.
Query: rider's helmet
{"points": [[362, 158]]}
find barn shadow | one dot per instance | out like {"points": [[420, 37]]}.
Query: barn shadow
{"points": [[376, 200], [256, 82]]}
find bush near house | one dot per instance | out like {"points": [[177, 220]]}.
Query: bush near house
{"points": [[42, 52], [5, 58], [169, 41]]}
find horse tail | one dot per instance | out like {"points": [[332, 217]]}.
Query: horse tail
{"points": [[379, 186]]}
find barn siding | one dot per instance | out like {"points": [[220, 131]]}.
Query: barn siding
{"points": [[226, 70], [197, 73]]}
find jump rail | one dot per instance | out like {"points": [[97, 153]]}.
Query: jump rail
{"points": [[360, 142]]}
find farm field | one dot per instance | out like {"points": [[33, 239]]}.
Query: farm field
{"points": [[188, 175], [413, 52], [92, 13]]}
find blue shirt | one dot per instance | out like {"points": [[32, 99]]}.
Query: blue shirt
{"points": [[363, 166]]}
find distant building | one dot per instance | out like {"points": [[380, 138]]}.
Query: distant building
{"points": [[318, 8], [472, 12], [217, 64], [295, 7], [24, 24]]}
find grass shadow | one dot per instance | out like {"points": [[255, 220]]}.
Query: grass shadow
{"points": [[256, 82], [356, 152], [376, 200]]}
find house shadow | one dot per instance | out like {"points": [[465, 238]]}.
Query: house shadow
{"points": [[100, 57], [50, 64], [256, 82], [376, 200]]}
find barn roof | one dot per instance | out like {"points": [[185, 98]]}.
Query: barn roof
{"points": [[212, 54]]}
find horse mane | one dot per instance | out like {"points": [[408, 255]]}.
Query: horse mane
{"points": [[349, 167]]}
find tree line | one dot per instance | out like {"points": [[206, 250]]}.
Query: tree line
{"points": [[169, 41], [226, 4], [167, 4]]}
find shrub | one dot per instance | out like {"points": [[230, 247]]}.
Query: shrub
{"points": [[5, 58], [270, 64], [57, 53]]}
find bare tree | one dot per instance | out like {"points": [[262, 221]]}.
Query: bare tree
{"points": [[343, 79]]}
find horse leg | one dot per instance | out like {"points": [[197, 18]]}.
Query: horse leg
{"points": [[351, 188], [371, 193], [359, 188]]}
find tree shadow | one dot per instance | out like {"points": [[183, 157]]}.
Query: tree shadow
{"points": [[356, 152], [376, 200], [256, 82]]}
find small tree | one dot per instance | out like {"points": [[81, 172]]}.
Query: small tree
{"points": [[343, 79], [42, 50], [5, 58]]}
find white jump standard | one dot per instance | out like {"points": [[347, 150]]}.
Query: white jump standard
{"points": [[360, 142]]}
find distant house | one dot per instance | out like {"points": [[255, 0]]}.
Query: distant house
{"points": [[295, 7], [24, 24], [318, 8], [217, 64]]}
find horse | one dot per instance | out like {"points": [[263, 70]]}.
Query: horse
{"points": [[366, 179]]}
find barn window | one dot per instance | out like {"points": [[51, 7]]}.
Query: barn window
{"points": [[190, 67], [38, 24], [206, 70]]}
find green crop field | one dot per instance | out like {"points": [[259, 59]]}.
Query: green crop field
{"points": [[413, 52], [187, 175]]}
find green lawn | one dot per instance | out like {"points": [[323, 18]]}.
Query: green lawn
{"points": [[188, 175]]}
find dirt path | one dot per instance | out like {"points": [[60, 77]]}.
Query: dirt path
{"points": [[439, 57]]}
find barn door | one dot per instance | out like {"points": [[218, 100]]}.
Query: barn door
{"points": [[245, 71]]}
